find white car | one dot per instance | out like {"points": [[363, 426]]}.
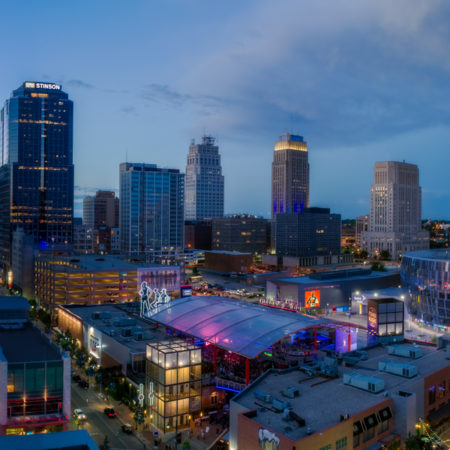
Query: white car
{"points": [[79, 414]]}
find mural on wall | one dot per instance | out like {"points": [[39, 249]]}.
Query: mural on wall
{"points": [[268, 440]]}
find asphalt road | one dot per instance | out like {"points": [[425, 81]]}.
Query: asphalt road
{"points": [[98, 424]]}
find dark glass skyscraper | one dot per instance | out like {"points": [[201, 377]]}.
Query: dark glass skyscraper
{"points": [[36, 167]]}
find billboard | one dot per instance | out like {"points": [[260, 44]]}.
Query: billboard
{"points": [[186, 290], [372, 319], [163, 277], [312, 299]]}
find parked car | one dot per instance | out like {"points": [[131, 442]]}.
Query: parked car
{"points": [[76, 378], [83, 384], [127, 428], [110, 412], [79, 414]]}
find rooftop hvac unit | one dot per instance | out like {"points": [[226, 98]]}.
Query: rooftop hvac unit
{"points": [[279, 405], [126, 332], [290, 392], [263, 396], [405, 351], [396, 368], [95, 315], [366, 383]]}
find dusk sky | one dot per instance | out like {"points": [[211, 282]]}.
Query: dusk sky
{"points": [[362, 81]]}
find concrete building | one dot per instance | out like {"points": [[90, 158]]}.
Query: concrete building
{"points": [[364, 407], [101, 210], [241, 233], [22, 260], [34, 374], [204, 182], [362, 225], [395, 221], [313, 232], [83, 239], [113, 335], [36, 165], [95, 279], [151, 211], [290, 175], [198, 234]]}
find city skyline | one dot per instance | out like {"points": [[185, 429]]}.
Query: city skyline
{"points": [[347, 90]]}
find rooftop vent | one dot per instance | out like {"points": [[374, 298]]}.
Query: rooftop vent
{"points": [[263, 396], [366, 383], [405, 351], [279, 405], [396, 368], [290, 392]]}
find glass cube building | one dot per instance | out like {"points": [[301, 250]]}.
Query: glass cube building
{"points": [[174, 383], [426, 274]]}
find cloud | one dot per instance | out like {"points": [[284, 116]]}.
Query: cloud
{"points": [[165, 95], [349, 70], [128, 109], [79, 84]]}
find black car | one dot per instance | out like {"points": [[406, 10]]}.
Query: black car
{"points": [[76, 378], [83, 384], [110, 412]]}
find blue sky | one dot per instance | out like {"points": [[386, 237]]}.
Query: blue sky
{"points": [[362, 81]]}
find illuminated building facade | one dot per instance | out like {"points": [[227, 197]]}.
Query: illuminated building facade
{"points": [[395, 221], [174, 383], [204, 182], [290, 175], [36, 167], [426, 275], [34, 373], [151, 210]]}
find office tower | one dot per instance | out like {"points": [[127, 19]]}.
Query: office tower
{"points": [[395, 223], [204, 182], [314, 232], [36, 169], [290, 175], [151, 210], [241, 233], [101, 210]]}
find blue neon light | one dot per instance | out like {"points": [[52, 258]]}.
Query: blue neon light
{"points": [[227, 389]]}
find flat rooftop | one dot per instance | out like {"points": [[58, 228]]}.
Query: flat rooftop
{"points": [[338, 276], [9, 302], [227, 252], [71, 440], [27, 344], [339, 398], [98, 263], [440, 254], [111, 314]]}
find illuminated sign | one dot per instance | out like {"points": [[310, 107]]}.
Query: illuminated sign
{"points": [[151, 299], [186, 290], [165, 277], [34, 85], [141, 395], [312, 299], [372, 320]]}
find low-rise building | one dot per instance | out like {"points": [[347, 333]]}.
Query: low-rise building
{"points": [[96, 279], [227, 261], [330, 289], [34, 374], [375, 402]]}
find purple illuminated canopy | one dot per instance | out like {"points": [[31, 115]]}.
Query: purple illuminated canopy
{"points": [[243, 328]]}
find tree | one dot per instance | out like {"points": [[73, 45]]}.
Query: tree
{"points": [[378, 267], [385, 255]]}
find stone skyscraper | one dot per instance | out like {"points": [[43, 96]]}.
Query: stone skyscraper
{"points": [[36, 167], [395, 210], [290, 175], [204, 182]]}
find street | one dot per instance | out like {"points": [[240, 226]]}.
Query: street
{"points": [[98, 424]]}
